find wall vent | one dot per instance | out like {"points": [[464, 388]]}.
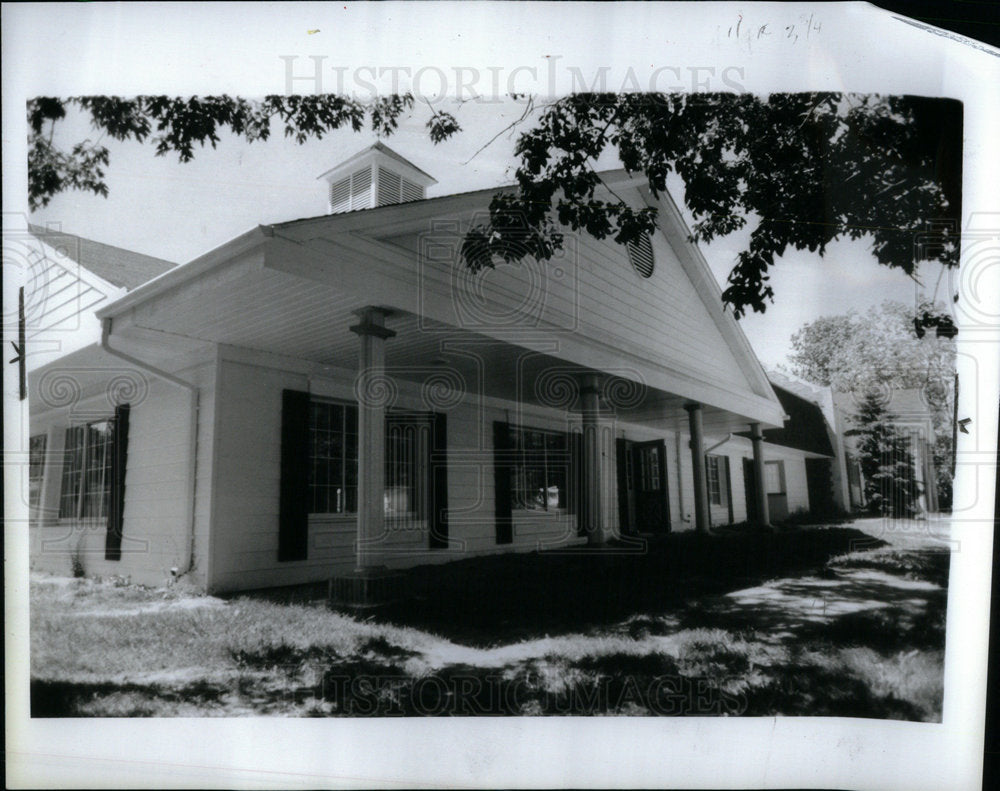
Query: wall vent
{"points": [[640, 254]]}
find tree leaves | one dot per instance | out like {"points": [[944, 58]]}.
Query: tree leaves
{"points": [[813, 168], [181, 125], [878, 351], [441, 126], [51, 171], [809, 168]]}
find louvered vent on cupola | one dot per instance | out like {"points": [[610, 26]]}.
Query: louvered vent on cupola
{"points": [[377, 176]]}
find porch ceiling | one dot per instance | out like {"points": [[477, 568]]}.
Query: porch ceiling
{"points": [[278, 312]]}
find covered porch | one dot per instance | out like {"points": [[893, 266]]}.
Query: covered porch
{"points": [[345, 329]]}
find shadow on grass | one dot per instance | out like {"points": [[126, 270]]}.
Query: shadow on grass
{"points": [[814, 607], [500, 599], [683, 628], [106, 699], [813, 691]]}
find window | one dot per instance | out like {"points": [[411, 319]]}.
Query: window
{"points": [[407, 449], [774, 477], [540, 470], [640, 254], [333, 458], [629, 471], [715, 474], [36, 468], [853, 471], [649, 469], [86, 477]]}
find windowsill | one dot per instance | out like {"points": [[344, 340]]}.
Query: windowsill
{"points": [[539, 511]]}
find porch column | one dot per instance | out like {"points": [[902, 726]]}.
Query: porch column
{"points": [[698, 466], [370, 387], [760, 481], [593, 514]]}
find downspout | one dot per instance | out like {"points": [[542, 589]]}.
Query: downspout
{"points": [[193, 394]]}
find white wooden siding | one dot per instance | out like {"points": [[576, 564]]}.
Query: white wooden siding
{"points": [[592, 292], [248, 472], [155, 531]]}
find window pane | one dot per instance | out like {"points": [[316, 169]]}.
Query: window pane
{"points": [[714, 484], [556, 442], [649, 469], [36, 468], [72, 469], [333, 457], [773, 476], [557, 477], [97, 477], [400, 494], [540, 471]]}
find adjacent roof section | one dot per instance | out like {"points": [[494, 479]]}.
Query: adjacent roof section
{"points": [[118, 266], [805, 429], [908, 406]]}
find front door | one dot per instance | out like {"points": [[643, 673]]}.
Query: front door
{"points": [[649, 475]]}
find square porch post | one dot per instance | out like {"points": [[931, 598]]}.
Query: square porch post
{"points": [[760, 483], [698, 467], [373, 391]]}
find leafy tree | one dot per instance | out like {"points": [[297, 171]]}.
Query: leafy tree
{"points": [[891, 487], [177, 124], [806, 168], [858, 353]]}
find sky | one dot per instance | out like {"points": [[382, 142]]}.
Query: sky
{"points": [[177, 211]]}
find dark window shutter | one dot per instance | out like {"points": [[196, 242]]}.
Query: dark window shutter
{"points": [[116, 499], [293, 516], [502, 464], [439, 482], [577, 482]]}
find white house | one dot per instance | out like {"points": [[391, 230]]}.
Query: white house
{"points": [[337, 395]]}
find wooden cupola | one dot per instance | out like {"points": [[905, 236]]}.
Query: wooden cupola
{"points": [[376, 176]]}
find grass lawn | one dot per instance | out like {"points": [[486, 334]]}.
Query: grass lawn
{"points": [[799, 622]]}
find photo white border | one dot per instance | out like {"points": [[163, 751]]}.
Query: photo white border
{"points": [[220, 48]]}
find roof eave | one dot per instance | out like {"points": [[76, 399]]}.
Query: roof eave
{"points": [[189, 271]]}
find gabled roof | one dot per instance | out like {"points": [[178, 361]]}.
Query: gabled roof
{"points": [[384, 149], [903, 402], [908, 407], [291, 247], [805, 429], [116, 265]]}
